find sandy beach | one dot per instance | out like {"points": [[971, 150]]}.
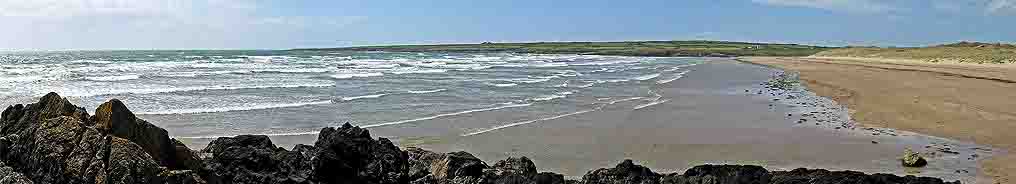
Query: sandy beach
{"points": [[967, 102], [717, 114]]}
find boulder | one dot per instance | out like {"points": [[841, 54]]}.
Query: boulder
{"points": [[550, 178], [254, 159], [420, 162], [51, 142], [913, 159], [720, 174], [349, 155], [821, 176], [625, 172], [114, 118], [512, 171], [9, 176]]}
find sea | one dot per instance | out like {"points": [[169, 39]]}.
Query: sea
{"points": [[197, 94], [568, 113]]}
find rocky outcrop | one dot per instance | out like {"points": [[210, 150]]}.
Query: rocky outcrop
{"points": [[349, 154], [624, 172], [9, 176], [53, 141], [114, 118], [821, 176], [254, 159], [721, 174]]}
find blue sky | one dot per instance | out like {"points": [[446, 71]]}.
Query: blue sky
{"points": [[261, 24]]}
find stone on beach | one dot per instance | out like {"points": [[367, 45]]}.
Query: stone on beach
{"points": [[913, 159]]}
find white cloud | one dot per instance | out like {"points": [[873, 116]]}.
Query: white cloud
{"points": [[862, 6], [64, 24], [1001, 6]]}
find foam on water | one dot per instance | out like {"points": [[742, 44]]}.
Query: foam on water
{"points": [[647, 77], [546, 97], [656, 102], [426, 91], [502, 84], [236, 108], [113, 78], [353, 75], [446, 115], [362, 97], [97, 92], [420, 71]]}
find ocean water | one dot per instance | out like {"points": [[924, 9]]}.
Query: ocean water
{"points": [[204, 94], [569, 113]]}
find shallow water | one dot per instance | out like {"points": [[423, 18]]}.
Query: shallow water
{"points": [[568, 113]]}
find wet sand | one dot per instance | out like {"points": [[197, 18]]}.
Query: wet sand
{"points": [[961, 101], [717, 114]]}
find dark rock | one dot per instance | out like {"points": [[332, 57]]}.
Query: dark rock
{"points": [[549, 178], [185, 157], [254, 159], [51, 142], [9, 176], [913, 159], [458, 164], [113, 117], [625, 172], [515, 171], [720, 174], [349, 155], [821, 176], [420, 162]]}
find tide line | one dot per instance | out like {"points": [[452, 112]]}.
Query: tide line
{"points": [[444, 115], [528, 122]]}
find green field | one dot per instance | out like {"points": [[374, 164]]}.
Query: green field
{"points": [[628, 48], [963, 52]]}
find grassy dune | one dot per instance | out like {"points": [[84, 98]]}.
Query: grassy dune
{"points": [[631, 48], [963, 52]]}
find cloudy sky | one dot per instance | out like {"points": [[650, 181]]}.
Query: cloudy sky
{"points": [[265, 24]]}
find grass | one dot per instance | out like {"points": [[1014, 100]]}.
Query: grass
{"points": [[963, 52], [628, 48]]}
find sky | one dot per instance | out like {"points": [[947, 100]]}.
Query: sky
{"points": [[282, 24]]}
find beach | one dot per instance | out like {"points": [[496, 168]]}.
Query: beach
{"points": [[567, 113], [717, 114], [960, 101]]}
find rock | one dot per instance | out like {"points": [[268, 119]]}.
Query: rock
{"points": [[114, 118], [185, 157], [720, 174], [9, 176], [913, 159], [349, 155], [254, 159], [458, 164], [821, 176], [128, 164], [51, 142], [515, 171], [420, 162], [550, 178], [625, 172]]}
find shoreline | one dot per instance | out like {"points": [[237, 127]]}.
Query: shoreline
{"points": [[114, 146], [837, 79], [705, 113]]}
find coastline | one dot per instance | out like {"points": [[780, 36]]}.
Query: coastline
{"points": [[114, 146], [956, 101], [706, 112]]}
